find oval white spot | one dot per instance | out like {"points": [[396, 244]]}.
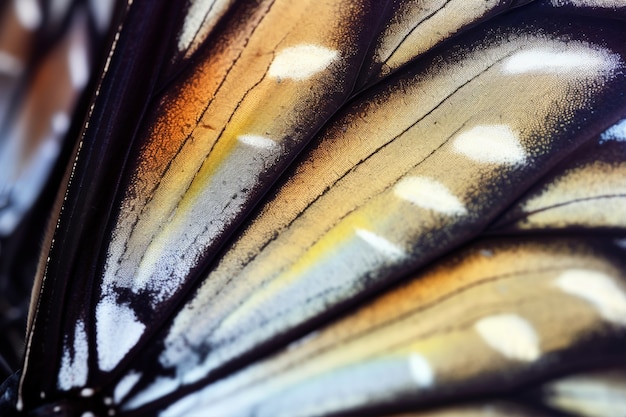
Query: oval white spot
{"points": [[511, 335], [421, 371], [381, 244], [28, 13], [87, 392], [543, 60], [301, 62], [429, 194], [598, 289], [490, 144], [257, 141]]}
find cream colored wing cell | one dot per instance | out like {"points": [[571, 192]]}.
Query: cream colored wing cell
{"points": [[497, 315], [414, 168], [215, 142]]}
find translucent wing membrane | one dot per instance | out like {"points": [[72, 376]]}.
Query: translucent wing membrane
{"points": [[342, 208]]}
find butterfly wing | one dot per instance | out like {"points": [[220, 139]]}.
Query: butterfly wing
{"points": [[372, 183]]}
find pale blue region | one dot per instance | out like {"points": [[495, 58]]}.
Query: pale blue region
{"points": [[616, 132]]}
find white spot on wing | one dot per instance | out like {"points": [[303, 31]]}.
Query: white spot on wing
{"points": [[78, 65], [617, 132], [598, 289], [200, 18], [60, 123], [380, 244], [74, 369], [160, 387], [117, 331], [429, 194], [257, 141], [511, 335], [87, 392], [101, 12], [301, 62], [543, 60], [125, 385], [490, 144], [28, 13], [421, 371]]}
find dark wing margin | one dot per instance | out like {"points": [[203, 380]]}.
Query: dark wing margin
{"points": [[120, 101]]}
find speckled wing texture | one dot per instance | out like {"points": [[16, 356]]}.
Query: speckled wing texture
{"points": [[324, 208]]}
